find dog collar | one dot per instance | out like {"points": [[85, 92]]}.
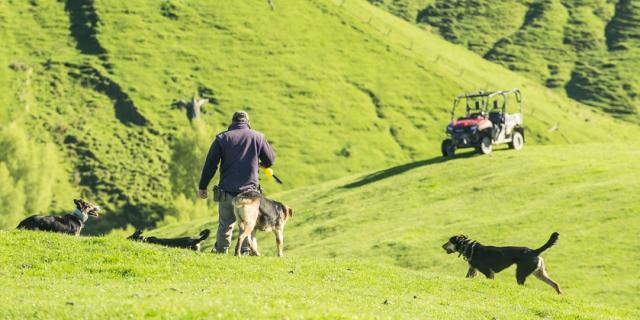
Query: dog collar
{"points": [[473, 247], [470, 245], [80, 215]]}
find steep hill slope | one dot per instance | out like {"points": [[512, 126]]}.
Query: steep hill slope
{"points": [[589, 48], [338, 88], [402, 215], [62, 277]]}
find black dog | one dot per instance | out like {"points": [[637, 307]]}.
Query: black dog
{"points": [[184, 242], [490, 260], [70, 223]]}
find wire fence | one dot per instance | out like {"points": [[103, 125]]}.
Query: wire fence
{"points": [[392, 35]]}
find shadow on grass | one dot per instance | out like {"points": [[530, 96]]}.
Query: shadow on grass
{"points": [[83, 26], [386, 173]]}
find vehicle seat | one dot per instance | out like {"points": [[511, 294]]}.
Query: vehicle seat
{"points": [[495, 117]]}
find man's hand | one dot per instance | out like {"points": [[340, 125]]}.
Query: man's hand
{"points": [[203, 194]]}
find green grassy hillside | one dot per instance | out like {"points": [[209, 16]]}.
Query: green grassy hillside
{"points": [[355, 101], [589, 49], [63, 277], [338, 87], [402, 215]]}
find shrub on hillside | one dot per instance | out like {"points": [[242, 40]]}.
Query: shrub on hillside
{"points": [[186, 209], [32, 178], [11, 199], [189, 150]]}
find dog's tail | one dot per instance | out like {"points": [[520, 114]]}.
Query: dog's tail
{"points": [[136, 235], [552, 240], [204, 234]]}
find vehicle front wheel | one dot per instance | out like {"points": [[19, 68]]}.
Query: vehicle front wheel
{"points": [[517, 141], [448, 148], [485, 146]]}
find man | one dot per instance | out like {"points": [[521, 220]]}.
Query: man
{"points": [[239, 151]]}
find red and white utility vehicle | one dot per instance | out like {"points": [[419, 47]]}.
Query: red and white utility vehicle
{"points": [[481, 127]]}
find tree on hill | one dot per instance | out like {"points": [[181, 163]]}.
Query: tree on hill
{"points": [[32, 178]]}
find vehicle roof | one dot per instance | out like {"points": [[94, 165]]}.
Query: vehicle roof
{"points": [[487, 93]]}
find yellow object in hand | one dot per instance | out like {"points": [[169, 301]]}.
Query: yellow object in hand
{"points": [[268, 172]]}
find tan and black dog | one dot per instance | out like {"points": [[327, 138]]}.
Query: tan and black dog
{"points": [[490, 260], [184, 242], [255, 212], [69, 223]]}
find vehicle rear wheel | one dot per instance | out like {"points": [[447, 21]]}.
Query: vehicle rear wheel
{"points": [[517, 141], [485, 146], [448, 148]]}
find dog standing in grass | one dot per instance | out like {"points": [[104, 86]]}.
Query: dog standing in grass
{"points": [[490, 260], [255, 212], [70, 223]]}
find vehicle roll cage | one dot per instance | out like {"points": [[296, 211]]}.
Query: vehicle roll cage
{"points": [[482, 99]]}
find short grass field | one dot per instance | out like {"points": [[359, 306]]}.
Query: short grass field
{"points": [[402, 215], [355, 242], [47, 276]]}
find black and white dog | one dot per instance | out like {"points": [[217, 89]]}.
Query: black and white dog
{"points": [[70, 223], [184, 242], [490, 260]]}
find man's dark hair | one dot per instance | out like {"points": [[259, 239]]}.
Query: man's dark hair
{"points": [[240, 117]]}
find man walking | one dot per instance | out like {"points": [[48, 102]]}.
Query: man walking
{"points": [[239, 151]]}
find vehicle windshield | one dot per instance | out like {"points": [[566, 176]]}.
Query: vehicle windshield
{"points": [[485, 104], [470, 108]]}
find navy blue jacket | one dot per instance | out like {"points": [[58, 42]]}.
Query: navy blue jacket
{"points": [[238, 151]]}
